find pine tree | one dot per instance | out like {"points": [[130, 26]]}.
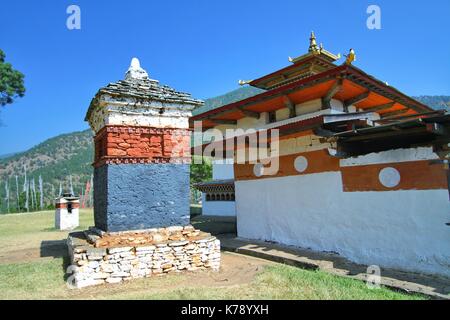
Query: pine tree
{"points": [[11, 82]]}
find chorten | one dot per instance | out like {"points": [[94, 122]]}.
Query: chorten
{"points": [[142, 153]]}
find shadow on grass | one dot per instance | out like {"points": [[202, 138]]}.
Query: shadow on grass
{"points": [[56, 249], [216, 225]]}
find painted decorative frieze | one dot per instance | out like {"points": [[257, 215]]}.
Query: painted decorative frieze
{"points": [[126, 144]]}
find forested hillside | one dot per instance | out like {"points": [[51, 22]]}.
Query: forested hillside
{"points": [[56, 161]]}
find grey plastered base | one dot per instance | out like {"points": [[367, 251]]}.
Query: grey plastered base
{"points": [[141, 196]]}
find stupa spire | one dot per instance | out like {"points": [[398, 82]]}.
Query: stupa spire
{"points": [[135, 72]]}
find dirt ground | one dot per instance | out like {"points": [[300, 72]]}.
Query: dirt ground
{"points": [[235, 269], [34, 260]]}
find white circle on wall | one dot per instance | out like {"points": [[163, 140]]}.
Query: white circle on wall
{"points": [[258, 169], [300, 163], [389, 177]]}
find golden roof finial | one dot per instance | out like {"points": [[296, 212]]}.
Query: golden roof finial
{"points": [[351, 56], [244, 82], [315, 50], [312, 43]]}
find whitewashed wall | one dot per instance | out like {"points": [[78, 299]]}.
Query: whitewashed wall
{"points": [[398, 229], [223, 170], [218, 208]]}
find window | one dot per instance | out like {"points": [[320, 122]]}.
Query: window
{"points": [[272, 116], [220, 197]]}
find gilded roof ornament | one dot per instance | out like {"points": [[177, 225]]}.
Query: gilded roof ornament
{"points": [[312, 43], [314, 49], [351, 56], [244, 82]]}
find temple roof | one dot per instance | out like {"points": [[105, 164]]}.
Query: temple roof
{"points": [[316, 60], [139, 86], [346, 83]]}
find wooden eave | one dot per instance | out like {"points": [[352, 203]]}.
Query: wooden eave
{"points": [[372, 94], [285, 131], [429, 131], [367, 133]]}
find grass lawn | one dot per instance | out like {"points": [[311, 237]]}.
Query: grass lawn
{"points": [[26, 272]]}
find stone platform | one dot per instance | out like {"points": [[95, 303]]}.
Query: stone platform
{"points": [[100, 257]]}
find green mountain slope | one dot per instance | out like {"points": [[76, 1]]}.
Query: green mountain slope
{"points": [[54, 160], [436, 102], [230, 97]]}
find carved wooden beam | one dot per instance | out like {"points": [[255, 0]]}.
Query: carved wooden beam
{"points": [[291, 106], [330, 94], [356, 99], [415, 115], [334, 89], [394, 113], [265, 98], [321, 132], [249, 113], [392, 133], [380, 107], [223, 121]]}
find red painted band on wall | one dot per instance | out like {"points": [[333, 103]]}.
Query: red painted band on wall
{"points": [[318, 161], [75, 205], [414, 175], [129, 144]]}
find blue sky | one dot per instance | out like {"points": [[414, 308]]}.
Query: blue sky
{"points": [[202, 47]]}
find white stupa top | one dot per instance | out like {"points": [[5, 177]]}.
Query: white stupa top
{"points": [[135, 71]]}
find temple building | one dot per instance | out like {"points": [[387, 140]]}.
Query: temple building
{"points": [[362, 167], [218, 196]]}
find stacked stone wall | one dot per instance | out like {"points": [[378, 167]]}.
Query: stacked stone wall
{"points": [[116, 263]]}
